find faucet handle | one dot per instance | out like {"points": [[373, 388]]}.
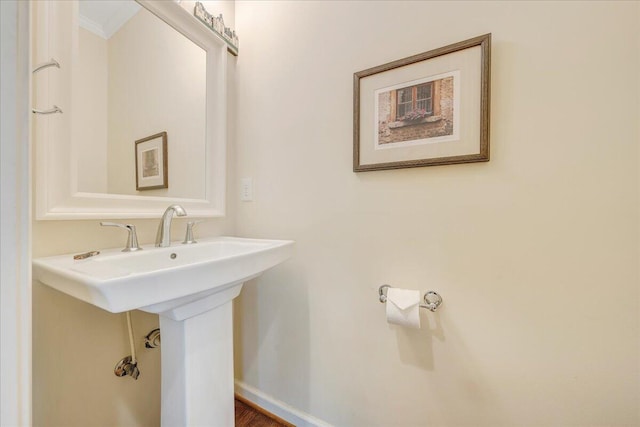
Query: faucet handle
{"points": [[188, 237], [132, 239]]}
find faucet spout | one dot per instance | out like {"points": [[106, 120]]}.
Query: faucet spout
{"points": [[163, 237]]}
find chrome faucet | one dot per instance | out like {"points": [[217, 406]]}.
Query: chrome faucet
{"points": [[163, 237]]}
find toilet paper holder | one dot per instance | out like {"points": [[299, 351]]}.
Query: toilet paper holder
{"points": [[432, 300]]}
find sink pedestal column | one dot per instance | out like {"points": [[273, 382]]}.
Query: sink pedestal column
{"points": [[197, 367]]}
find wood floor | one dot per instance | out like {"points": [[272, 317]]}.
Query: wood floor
{"points": [[249, 415]]}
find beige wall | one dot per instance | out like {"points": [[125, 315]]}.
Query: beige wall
{"points": [[535, 253], [76, 345]]}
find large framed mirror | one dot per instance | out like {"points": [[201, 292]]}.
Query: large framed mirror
{"points": [[142, 90]]}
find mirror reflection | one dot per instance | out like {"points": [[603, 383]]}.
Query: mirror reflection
{"points": [[135, 77]]}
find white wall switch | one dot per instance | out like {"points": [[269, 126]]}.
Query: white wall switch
{"points": [[246, 189]]}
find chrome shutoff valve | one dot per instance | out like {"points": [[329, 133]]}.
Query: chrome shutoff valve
{"points": [[127, 367]]}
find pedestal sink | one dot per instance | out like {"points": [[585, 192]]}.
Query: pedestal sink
{"points": [[190, 287]]}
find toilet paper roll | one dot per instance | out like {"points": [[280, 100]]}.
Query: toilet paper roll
{"points": [[403, 307]]}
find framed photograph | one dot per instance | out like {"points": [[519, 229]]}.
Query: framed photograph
{"points": [[151, 162], [426, 110]]}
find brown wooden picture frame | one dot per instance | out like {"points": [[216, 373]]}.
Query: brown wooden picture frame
{"points": [[400, 100], [152, 162]]}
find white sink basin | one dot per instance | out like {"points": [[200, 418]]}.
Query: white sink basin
{"points": [[191, 288], [157, 280]]}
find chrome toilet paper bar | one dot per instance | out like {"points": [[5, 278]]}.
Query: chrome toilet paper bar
{"points": [[432, 300]]}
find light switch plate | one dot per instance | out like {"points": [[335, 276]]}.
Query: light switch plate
{"points": [[246, 189]]}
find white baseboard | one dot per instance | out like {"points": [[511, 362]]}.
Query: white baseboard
{"points": [[278, 408]]}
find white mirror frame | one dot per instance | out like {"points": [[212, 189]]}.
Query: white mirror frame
{"points": [[57, 195]]}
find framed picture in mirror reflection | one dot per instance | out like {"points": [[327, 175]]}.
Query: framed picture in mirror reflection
{"points": [[152, 162]]}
